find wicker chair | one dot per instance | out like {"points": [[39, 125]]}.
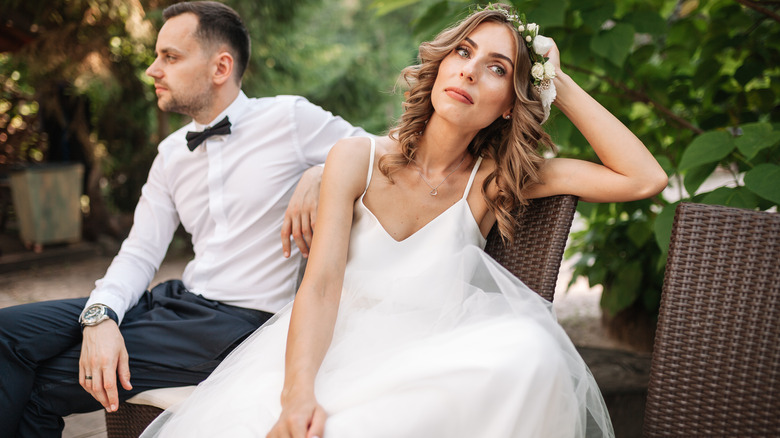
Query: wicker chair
{"points": [[716, 363], [534, 257]]}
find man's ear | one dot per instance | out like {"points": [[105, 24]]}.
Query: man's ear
{"points": [[224, 67]]}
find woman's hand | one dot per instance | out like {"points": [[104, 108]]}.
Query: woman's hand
{"points": [[301, 417], [554, 56], [628, 171]]}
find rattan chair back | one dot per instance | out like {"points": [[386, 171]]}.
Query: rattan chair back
{"points": [[537, 250], [716, 362]]}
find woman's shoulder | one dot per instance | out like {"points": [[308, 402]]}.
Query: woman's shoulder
{"points": [[351, 154], [350, 149]]}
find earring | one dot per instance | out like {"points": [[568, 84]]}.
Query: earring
{"points": [[508, 116]]}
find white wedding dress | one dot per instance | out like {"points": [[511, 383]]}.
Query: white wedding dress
{"points": [[433, 339]]}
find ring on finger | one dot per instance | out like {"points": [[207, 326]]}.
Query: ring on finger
{"points": [[88, 377]]}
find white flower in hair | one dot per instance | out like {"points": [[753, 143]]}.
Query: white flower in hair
{"points": [[532, 27], [549, 70], [542, 44], [537, 71]]}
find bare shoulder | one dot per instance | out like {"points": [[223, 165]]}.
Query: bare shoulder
{"points": [[349, 154], [347, 164], [386, 145]]}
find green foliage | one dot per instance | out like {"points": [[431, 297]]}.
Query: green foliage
{"points": [[338, 54], [697, 82]]}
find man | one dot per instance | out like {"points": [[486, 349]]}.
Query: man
{"points": [[229, 187]]}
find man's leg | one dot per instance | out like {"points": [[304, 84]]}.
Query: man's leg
{"points": [[173, 338], [30, 336]]}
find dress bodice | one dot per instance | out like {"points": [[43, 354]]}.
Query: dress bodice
{"points": [[371, 246]]}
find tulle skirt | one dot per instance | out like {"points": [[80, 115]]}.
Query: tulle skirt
{"points": [[467, 352]]}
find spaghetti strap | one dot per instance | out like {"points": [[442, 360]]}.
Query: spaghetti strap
{"points": [[370, 163], [471, 178]]}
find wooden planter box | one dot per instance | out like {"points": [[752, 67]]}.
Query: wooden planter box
{"points": [[47, 202]]}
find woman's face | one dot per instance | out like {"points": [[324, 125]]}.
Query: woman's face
{"points": [[474, 85]]}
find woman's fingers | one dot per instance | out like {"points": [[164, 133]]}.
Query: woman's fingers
{"points": [[317, 426]]}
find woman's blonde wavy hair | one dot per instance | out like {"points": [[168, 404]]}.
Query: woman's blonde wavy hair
{"points": [[513, 144]]}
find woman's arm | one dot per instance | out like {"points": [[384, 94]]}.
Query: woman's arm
{"points": [[628, 171], [316, 304]]}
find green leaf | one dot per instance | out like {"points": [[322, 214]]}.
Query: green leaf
{"points": [[384, 7], [595, 17], [761, 99], [755, 137], [739, 197], [706, 71], [764, 180], [749, 70], [624, 290], [696, 176], [614, 44], [666, 163], [550, 13], [646, 21], [663, 227], [437, 17], [709, 147], [639, 232]]}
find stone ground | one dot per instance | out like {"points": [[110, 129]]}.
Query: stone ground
{"points": [[70, 271]]}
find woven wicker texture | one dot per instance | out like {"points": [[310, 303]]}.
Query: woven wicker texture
{"points": [[536, 253], [130, 420], [716, 361], [534, 257]]}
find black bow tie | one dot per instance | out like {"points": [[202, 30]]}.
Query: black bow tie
{"points": [[194, 138]]}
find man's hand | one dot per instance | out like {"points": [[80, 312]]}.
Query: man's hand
{"points": [[103, 357], [301, 213]]}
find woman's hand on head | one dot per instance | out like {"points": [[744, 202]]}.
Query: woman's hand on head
{"points": [[554, 56], [300, 418]]}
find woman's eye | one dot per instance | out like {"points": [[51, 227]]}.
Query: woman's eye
{"points": [[463, 52], [497, 69]]}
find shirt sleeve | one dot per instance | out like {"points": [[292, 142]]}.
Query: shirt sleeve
{"points": [[155, 220], [318, 130]]}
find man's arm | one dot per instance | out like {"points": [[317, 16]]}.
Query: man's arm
{"points": [[154, 222], [103, 353]]}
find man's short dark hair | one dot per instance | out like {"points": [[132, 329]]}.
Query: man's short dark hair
{"points": [[217, 23]]}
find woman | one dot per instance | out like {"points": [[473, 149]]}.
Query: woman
{"points": [[402, 326]]}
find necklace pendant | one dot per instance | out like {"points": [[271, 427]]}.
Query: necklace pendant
{"points": [[434, 192]]}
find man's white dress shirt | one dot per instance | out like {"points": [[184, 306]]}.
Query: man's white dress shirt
{"points": [[230, 194]]}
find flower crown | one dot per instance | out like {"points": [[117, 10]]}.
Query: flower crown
{"points": [[542, 71]]}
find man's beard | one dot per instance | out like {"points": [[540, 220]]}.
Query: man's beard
{"points": [[189, 105]]}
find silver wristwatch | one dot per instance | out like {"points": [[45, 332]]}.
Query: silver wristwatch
{"points": [[94, 315]]}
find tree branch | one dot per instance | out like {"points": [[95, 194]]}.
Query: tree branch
{"points": [[638, 96], [760, 8]]}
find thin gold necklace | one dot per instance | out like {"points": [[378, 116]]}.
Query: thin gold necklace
{"points": [[435, 190]]}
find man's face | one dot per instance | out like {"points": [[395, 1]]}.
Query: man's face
{"points": [[182, 69]]}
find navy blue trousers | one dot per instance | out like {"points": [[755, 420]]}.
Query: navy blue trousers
{"points": [[173, 338]]}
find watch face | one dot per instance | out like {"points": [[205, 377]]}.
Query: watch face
{"points": [[93, 314]]}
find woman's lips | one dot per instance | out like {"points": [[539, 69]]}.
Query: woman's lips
{"points": [[459, 95]]}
